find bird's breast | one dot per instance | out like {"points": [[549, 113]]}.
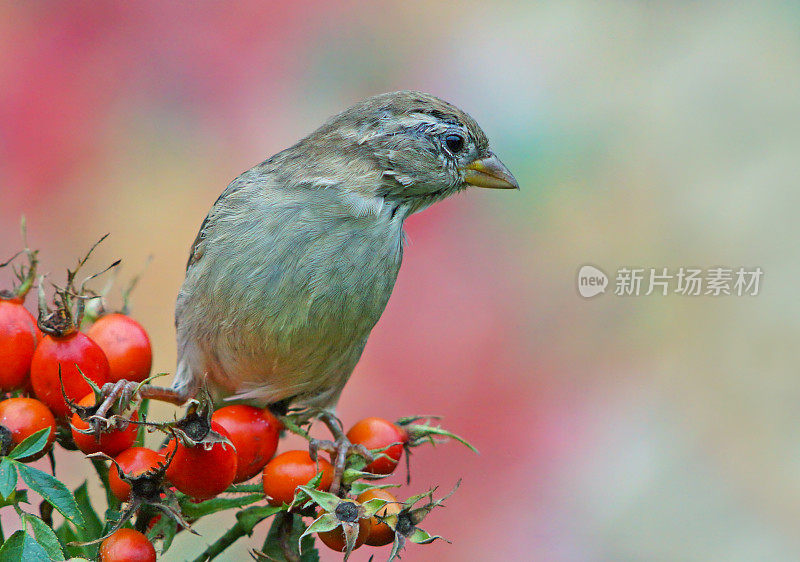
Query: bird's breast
{"points": [[292, 298]]}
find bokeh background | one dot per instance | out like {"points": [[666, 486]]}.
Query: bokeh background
{"points": [[653, 134]]}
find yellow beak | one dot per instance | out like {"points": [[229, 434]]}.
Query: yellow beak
{"points": [[489, 172]]}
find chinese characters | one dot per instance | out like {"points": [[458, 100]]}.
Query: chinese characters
{"points": [[688, 281]]}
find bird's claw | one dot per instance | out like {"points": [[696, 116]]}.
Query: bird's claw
{"points": [[122, 392], [338, 450]]}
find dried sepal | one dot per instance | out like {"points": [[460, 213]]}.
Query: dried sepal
{"points": [[71, 404], [301, 498], [171, 507], [63, 320], [146, 489], [126, 292], [350, 531], [373, 506], [24, 274], [323, 523], [326, 501], [405, 523], [84, 412], [58, 322], [420, 433], [164, 529], [195, 425], [358, 488], [147, 486], [420, 536], [339, 512]]}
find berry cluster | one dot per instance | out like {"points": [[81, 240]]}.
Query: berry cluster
{"points": [[64, 383]]}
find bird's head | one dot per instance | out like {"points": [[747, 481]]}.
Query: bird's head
{"points": [[419, 148]]}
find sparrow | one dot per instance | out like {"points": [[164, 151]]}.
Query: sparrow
{"points": [[296, 261]]}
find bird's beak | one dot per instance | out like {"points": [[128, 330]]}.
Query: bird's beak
{"points": [[489, 172]]}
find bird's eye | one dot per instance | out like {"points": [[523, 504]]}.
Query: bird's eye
{"points": [[454, 143]]}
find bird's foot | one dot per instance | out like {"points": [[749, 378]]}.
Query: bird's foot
{"points": [[339, 449], [123, 392]]}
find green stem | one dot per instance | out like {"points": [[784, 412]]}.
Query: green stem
{"points": [[294, 428], [231, 536], [245, 489], [144, 407], [102, 473]]}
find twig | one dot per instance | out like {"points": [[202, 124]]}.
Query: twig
{"points": [[287, 522]]}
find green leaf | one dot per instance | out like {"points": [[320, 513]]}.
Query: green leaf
{"points": [[272, 550], [21, 547], [252, 516], [17, 496], [66, 535], [195, 511], [44, 535], [92, 527], [8, 478], [101, 469], [165, 528], [53, 491], [32, 445], [112, 515]]}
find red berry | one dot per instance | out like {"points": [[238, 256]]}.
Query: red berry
{"points": [[254, 432], [127, 545], [72, 352], [291, 469], [19, 336], [25, 416], [202, 472], [378, 433], [126, 346], [133, 461]]}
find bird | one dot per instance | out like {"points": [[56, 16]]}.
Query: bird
{"points": [[295, 262]]}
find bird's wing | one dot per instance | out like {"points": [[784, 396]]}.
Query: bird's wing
{"points": [[196, 251]]}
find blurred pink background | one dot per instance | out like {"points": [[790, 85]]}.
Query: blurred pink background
{"points": [[653, 135]]}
